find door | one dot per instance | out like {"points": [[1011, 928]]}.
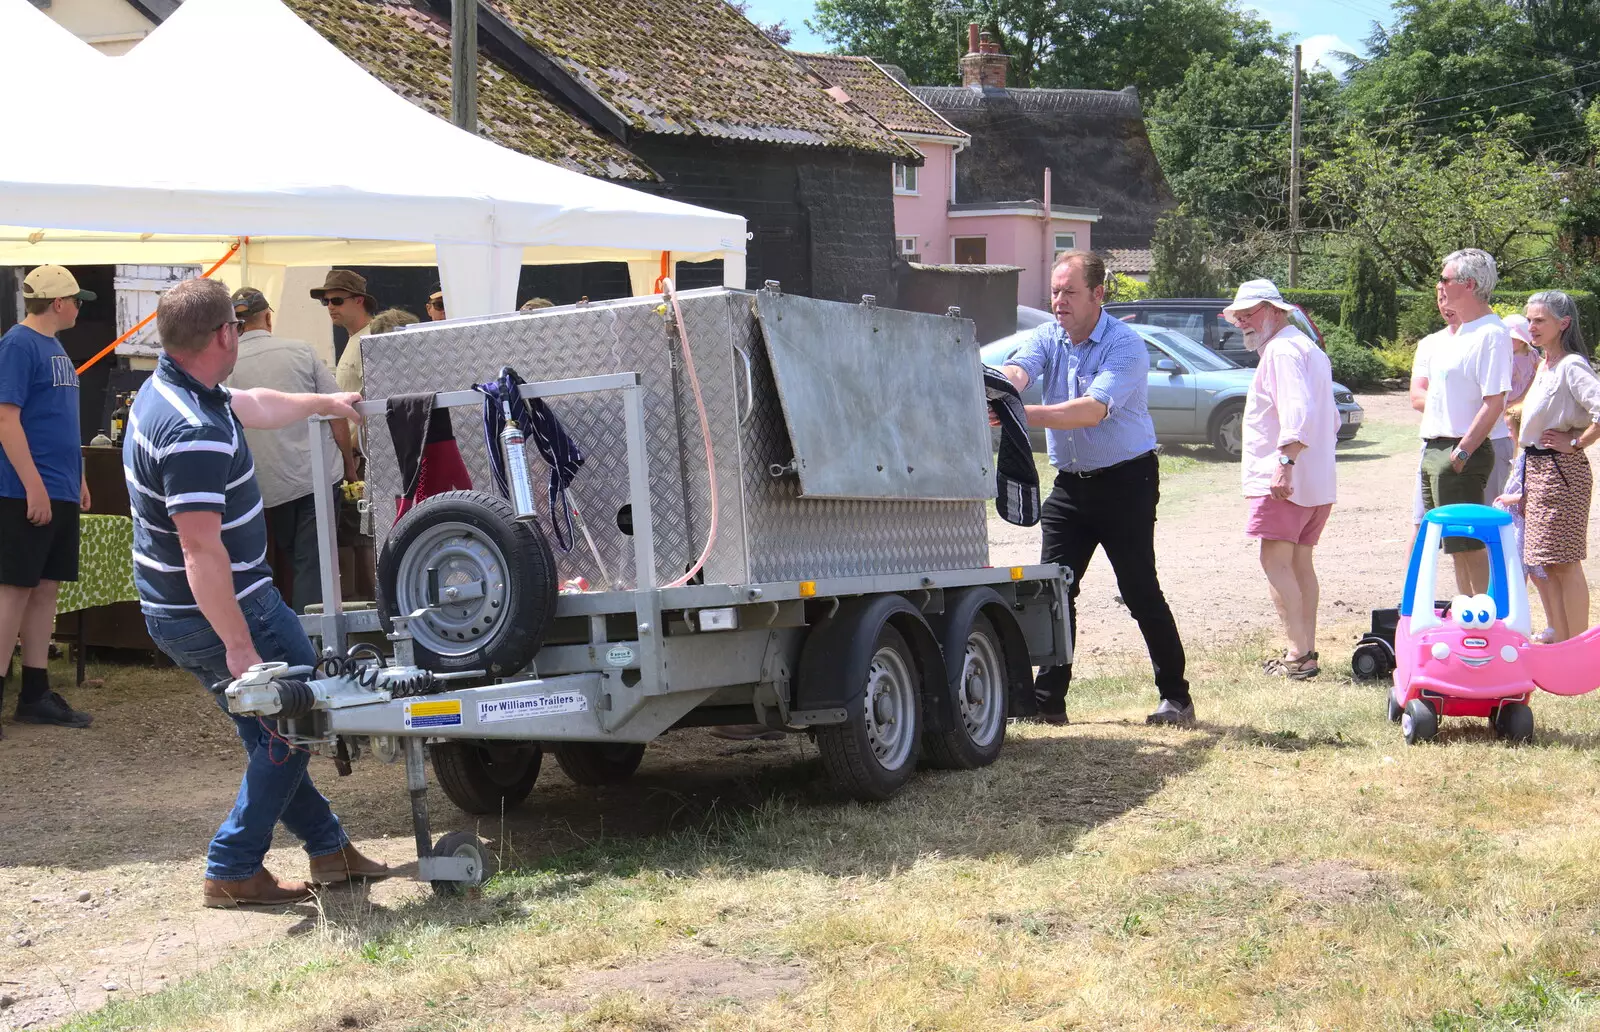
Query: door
{"points": [[1172, 395]]}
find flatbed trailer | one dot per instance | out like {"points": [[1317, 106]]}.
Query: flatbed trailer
{"points": [[885, 671]]}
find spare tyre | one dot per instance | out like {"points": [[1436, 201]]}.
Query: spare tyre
{"points": [[489, 578]]}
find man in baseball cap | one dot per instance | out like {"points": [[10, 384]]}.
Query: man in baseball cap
{"points": [[350, 306], [42, 489], [436, 305]]}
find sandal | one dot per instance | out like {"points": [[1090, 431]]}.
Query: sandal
{"points": [[1302, 668]]}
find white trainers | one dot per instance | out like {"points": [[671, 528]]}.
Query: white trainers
{"points": [[1170, 712]]}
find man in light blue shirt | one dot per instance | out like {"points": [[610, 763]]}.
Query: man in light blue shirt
{"points": [[1092, 370]]}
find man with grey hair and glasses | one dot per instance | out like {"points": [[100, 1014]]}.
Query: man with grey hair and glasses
{"points": [[1463, 382]]}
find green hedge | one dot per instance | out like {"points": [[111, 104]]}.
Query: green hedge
{"points": [[1419, 311]]}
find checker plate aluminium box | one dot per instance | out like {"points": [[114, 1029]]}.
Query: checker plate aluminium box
{"points": [[769, 528]]}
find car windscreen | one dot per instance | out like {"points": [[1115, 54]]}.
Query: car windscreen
{"points": [[1196, 357]]}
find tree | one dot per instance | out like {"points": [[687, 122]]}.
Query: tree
{"points": [[1412, 201], [1178, 259], [1454, 67], [1222, 137], [1087, 44], [777, 31], [1370, 308]]}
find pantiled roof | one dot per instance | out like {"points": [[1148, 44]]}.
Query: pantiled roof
{"points": [[409, 51], [693, 67], [871, 85], [1129, 259]]}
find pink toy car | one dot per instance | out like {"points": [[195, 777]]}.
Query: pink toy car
{"points": [[1474, 658]]}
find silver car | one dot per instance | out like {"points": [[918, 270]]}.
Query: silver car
{"points": [[1196, 396]]}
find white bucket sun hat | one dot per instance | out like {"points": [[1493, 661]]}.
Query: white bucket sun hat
{"points": [[1254, 292]]}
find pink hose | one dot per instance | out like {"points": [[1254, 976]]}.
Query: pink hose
{"points": [[671, 292]]}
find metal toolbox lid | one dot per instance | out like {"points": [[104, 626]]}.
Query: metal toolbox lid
{"points": [[879, 403]]}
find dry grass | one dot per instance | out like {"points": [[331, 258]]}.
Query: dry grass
{"points": [[1292, 864]]}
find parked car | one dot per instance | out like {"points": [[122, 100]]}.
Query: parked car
{"points": [[1195, 395], [1200, 319]]}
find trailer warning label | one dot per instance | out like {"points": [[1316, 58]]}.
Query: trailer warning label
{"points": [[439, 713], [531, 706]]}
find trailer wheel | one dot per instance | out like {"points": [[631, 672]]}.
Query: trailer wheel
{"points": [[599, 763], [486, 777], [471, 847], [979, 687], [874, 752], [492, 574]]}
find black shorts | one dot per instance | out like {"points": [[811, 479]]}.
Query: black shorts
{"points": [[30, 554]]}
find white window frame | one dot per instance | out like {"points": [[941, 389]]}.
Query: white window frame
{"points": [[905, 245], [905, 179], [955, 242], [1071, 244]]}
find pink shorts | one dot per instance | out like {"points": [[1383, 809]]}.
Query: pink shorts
{"points": [[1275, 519]]}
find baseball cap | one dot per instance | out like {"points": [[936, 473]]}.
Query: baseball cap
{"points": [[1254, 292], [347, 280], [437, 297], [248, 301], [1518, 325], [52, 281]]}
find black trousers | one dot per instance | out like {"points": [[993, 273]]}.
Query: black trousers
{"points": [[293, 530], [1114, 510]]}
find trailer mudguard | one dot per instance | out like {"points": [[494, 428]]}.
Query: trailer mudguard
{"points": [[838, 651], [951, 628]]}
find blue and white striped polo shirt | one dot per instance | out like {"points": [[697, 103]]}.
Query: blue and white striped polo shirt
{"points": [[186, 452]]}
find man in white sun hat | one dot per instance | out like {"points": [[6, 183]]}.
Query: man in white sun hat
{"points": [[42, 489], [1291, 426]]}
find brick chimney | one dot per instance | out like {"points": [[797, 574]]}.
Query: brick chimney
{"points": [[984, 65]]}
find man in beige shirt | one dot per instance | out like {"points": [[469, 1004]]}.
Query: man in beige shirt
{"points": [[344, 294]]}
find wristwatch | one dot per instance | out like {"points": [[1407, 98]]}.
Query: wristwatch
{"points": [[1574, 443], [1460, 453], [1284, 460]]}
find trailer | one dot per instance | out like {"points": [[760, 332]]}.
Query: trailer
{"points": [[781, 512]]}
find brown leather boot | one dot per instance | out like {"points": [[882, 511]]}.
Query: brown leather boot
{"points": [[344, 865], [261, 889]]}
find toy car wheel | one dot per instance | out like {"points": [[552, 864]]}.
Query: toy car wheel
{"points": [[1369, 662], [1514, 722], [1395, 711], [470, 847], [1419, 723]]}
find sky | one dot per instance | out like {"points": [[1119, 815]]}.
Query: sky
{"points": [[1322, 26]]}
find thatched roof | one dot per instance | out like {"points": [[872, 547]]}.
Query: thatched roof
{"points": [[1094, 142]]}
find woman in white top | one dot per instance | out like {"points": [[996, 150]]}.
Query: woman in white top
{"points": [[1560, 418]]}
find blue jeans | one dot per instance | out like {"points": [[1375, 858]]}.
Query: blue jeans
{"points": [[276, 786]]}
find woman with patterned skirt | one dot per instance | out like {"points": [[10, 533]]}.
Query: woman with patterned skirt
{"points": [[1560, 418]]}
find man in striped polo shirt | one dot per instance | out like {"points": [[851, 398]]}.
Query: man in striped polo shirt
{"points": [[199, 561]]}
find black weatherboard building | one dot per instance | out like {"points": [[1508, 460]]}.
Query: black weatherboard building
{"points": [[683, 98]]}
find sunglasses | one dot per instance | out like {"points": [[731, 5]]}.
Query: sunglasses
{"points": [[436, 304], [334, 302]]}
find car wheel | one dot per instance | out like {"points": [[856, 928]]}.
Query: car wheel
{"points": [[1227, 430]]}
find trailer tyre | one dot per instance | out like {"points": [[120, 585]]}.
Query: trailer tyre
{"points": [[874, 752], [486, 778], [599, 763], [494, 574], [979, 691]]}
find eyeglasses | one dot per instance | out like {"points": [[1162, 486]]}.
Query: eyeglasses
{"points": [[1445, 281], [334, 302], [436, 304], [228, 322]]}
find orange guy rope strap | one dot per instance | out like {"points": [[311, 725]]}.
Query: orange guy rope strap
{"points": [[666, 270], [142, 323]]}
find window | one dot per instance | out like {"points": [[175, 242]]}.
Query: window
{"points": [[905, 178], [1190, 324], [1066, 242], [971, 250], [907, 246], [1228, 336]]}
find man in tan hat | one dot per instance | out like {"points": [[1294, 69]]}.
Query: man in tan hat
{"points": [[436, 305], [283, 456], [42, 489], [344, 294], [351, 307]]}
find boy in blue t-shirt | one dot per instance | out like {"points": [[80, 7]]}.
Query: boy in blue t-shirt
{"points": [[42, 489]]}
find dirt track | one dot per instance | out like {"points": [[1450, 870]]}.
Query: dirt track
{"points": [[123, 811]]}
